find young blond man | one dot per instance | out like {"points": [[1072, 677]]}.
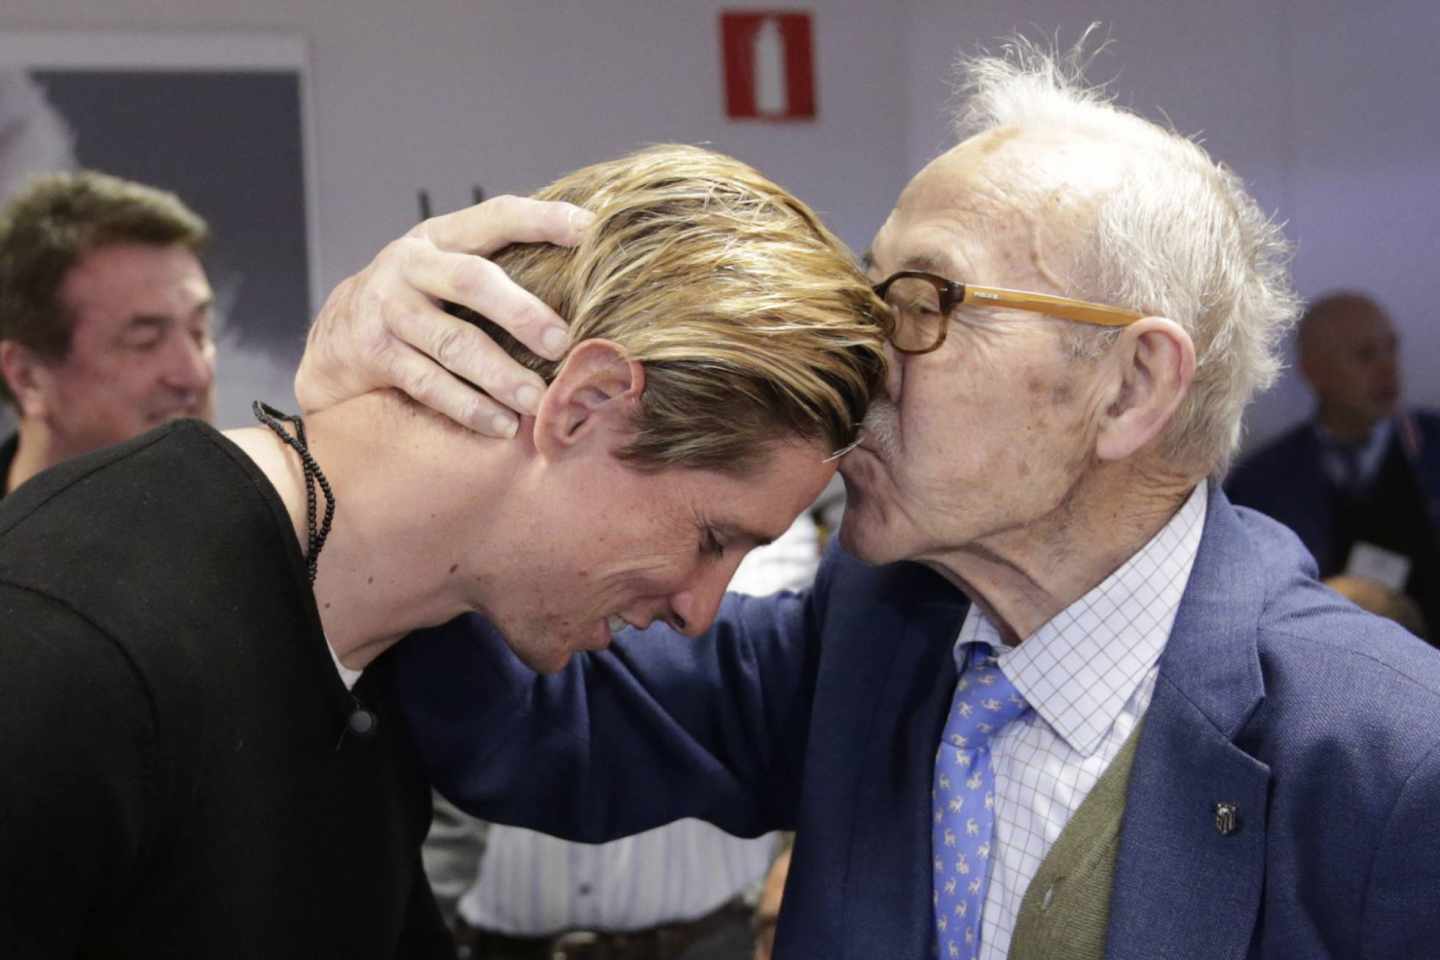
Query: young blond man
{"points": [[202, 757]]}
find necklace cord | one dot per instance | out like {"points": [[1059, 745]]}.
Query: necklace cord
{"points": [[314, 476]]}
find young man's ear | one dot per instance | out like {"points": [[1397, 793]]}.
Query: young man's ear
{"points": [[592, 398], [24, 374], [1155, 365]]}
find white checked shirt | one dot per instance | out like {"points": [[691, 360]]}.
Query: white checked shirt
{"points": [[531, 885], [1089, 675]]}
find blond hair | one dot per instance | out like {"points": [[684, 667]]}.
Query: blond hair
{"points": [[752, 320]]}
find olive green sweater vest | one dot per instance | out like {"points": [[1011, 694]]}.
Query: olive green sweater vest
{"points": [[1066, 908]]}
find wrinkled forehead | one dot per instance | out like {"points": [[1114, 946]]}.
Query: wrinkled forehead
{"points": [[1003, 208], [943, 234]]}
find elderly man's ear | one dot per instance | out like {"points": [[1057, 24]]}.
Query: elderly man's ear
{"points": [[591, 401], [1153, 365]]}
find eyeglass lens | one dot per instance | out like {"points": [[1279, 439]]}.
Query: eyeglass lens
{"points": [[918, 319]]}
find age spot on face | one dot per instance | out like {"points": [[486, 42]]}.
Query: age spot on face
{"points": [[1056, 393]]}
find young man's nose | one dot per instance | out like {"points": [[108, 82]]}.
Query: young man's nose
{"points": [[693, 610]]}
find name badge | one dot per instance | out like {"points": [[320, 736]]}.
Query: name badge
{"points": [[1377, 563]]}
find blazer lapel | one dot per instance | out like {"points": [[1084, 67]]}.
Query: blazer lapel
{"points": [[1183, 886], [1190, 871], [890, 836]]}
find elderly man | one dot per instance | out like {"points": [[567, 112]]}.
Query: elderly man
{"points": [[1360, 482], [195, 766], [104, 317], [1100, 711]]}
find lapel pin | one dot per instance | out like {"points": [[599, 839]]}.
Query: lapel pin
{"points": [[1227, 818]]}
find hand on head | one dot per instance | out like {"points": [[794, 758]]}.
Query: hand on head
{"points": [[384, 327]]}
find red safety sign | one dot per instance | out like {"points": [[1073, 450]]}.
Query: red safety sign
{"points": [[769, 64]]}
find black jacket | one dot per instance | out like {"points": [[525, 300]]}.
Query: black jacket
{"points": [[179, 777]]}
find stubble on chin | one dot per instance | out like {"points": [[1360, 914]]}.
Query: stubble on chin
{"points": [[530, 642]]}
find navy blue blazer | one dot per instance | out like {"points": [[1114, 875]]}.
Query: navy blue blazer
{"points": [[821, 713], [1286, 479]]}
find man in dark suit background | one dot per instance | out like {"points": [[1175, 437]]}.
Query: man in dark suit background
{"points": [[1097, 711], [1359, 482]]}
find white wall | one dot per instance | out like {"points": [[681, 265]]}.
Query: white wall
{"points": [[1325, 108]]}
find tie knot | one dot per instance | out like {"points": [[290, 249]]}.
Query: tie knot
{"points": [[985, 700], [1352, 465]]}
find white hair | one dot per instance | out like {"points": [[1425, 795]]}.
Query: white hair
{"points": [[1180, 239]]}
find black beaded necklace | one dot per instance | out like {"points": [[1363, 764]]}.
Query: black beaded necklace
{"points": [[273, 419]]}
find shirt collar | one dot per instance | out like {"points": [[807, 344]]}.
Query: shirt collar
{"points": [[1080, 669], [347, 676]]}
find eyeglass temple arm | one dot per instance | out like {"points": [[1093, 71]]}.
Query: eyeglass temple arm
{"points": [[1081, 310]]}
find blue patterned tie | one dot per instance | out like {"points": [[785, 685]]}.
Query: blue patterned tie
{"points": [[964, 796]]}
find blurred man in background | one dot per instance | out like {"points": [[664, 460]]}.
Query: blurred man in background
{"points": [[1360, 481], [105, 317]]}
